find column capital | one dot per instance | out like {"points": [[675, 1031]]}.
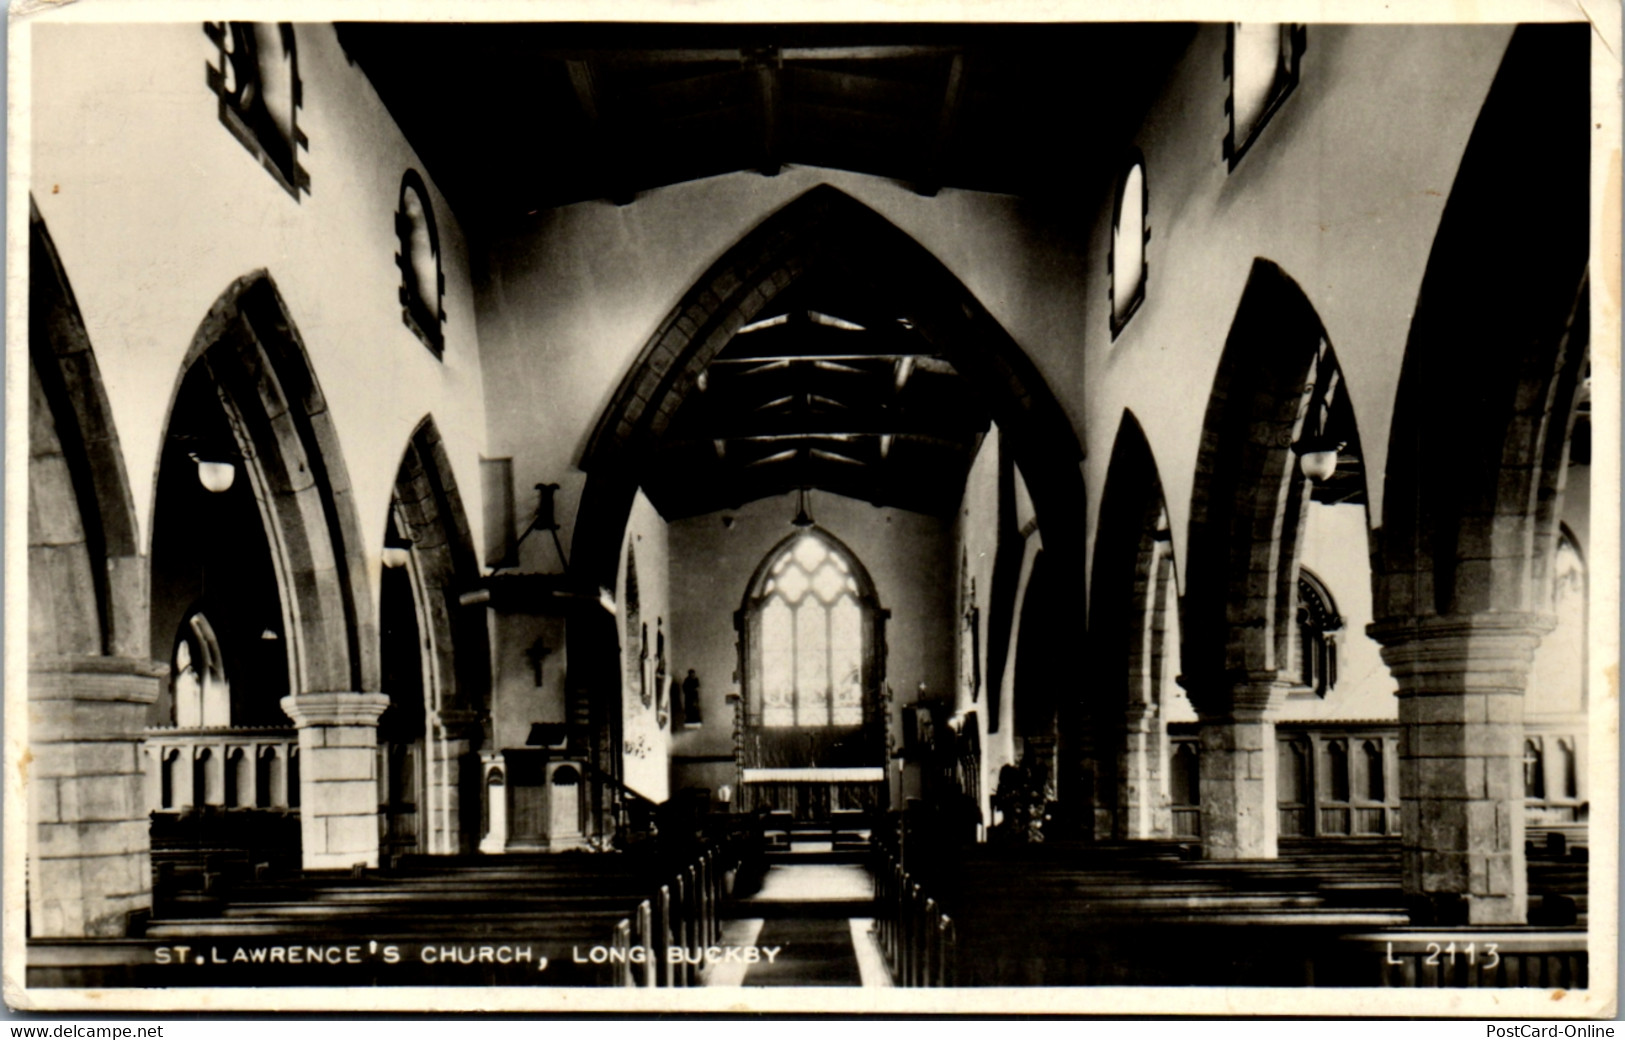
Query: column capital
{"points": [[1139, 714], [1449, 653], [1241, 696], [455, 720], [335, 709], [94, 678]]}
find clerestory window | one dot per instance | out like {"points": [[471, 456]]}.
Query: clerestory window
{"points": [[257, 82], [423, 283], [1261, 61], [1127, 264]]}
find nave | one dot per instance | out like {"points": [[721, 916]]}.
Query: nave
{"points": [[803, 498]]}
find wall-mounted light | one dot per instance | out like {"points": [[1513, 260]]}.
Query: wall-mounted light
{"points": [[1317, 457], [216, 475], [397, 550], [1317, 449]]}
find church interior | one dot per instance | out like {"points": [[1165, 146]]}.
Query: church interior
{"points": [[956, 505]]}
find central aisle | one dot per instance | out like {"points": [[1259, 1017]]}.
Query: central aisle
{"points": [[814, 918]]}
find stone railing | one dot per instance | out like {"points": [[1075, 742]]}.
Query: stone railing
{"points": [[222, 767]]}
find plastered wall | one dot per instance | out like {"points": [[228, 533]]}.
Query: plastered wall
{"points": [[1333, 547]]}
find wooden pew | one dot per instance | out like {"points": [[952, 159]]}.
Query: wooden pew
{"points": [[610, 900]]}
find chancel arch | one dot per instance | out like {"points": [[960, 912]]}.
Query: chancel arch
{"points": [[254, 530], [829, 264]]}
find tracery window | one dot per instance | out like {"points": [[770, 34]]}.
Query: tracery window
{"points": [[811, 627], [198, 672], [257, 82], [1261, 61], [1318, 627]]}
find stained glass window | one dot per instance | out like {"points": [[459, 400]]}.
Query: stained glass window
{"points": [[811, 632]]}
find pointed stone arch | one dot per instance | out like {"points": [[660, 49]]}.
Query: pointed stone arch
{"points": [[1249, 496], [1475, 535], [1248, 506], [91, 681], [823, 234], [254, 358], [427, 512], [1494, 369], [828, 234], [283, 541], [1133, 582], [77, 477]]}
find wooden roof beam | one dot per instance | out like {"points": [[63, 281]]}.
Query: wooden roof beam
{"points": [[947, 120], [902, 368], [768, 65], [612, 150]]}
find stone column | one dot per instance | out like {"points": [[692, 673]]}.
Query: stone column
{"points": [[1461, 684], [338, 776], [454, 736], [90, 861], [1139, 786], [1240, 819], [495, 840]]}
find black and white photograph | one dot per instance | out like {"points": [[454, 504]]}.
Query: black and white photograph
{"points": [[813, 508]]}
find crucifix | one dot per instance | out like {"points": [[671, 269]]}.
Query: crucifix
{"points": [[971, 661]]}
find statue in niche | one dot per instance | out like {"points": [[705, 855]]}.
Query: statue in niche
{"points": [[662, 698], [970, 646], [1021, 803], [637, 634], [691, 699], [643, 666]]}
